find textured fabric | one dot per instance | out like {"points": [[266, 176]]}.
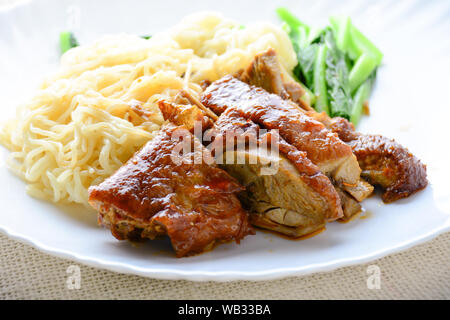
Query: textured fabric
{"points": [[419, 273], [422, 272]]}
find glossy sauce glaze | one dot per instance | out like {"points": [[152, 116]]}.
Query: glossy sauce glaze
{"points": [[195, 204], [272, 112], [384, 162], [232, 123], [388, 164]]}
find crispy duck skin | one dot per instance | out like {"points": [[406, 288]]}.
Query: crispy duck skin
{"points": [[383, 161], [323, 147], [342, 127], [391, 166], [295, 199], [184, 115], [266, 72], [151, 195]]}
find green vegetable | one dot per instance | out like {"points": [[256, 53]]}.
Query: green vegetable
{"points": [[306, 53], [309, 96], [362, 69], [67, 41], [342, 31], [351, 41], [337, 63], [146, 37], [305, 69], [365, 45], [315, 35], [311, 59], [320, 82], [361, 96], [293, 22], [339, 90]]}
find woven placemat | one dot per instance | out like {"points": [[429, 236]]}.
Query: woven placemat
{"points": [[422, 272]]}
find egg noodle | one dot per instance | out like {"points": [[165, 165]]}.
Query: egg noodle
{"points": [[101, 106]]}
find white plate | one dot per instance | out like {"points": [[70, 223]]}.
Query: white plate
{"points": [[410, 103]]}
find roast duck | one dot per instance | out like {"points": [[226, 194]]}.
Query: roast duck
{"points": [[322, 170]]}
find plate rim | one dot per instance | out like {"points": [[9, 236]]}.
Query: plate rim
{"points": [[225, 276]]}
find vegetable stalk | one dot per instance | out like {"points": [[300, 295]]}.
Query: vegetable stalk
{"points": [[337, 63], [361, 96], [67, 41], [320, 83]]}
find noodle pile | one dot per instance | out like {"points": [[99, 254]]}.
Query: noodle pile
{"points": [[101, 106]]}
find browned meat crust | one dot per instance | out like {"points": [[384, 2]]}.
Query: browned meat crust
{"points": [[383, 161], [266, 72], [388, 164], [186, 115], [194, 204], [342, 127], [313, 194], [270, 111]]}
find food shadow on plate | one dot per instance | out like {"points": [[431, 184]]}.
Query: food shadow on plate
{"points": [[160, 247], [80, 214], [267, 242]]}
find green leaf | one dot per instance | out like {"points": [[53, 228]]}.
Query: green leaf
{"points": [[341, 27], [362, 69], [293, 22], [306, 58], [365, 45], [339, 92], [67, 41], [333, 62], [365, 55], [320, 79]]}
